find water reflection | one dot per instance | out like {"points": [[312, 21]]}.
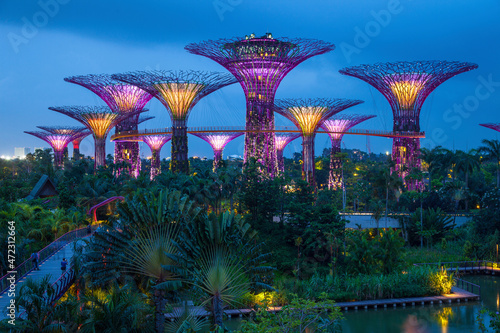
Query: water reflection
{"points": [[414, 325]]}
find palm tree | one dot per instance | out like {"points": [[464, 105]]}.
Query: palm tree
{"points": [[491, 148], [432, 157]]}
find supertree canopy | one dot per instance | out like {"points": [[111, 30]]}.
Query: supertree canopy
{"points": [[58, 141], [156, 143], [336, 126], [308, 115], [492, 126], [280, 142], [406, 85], [98, 119], [178, 92], [68, 130], [259, 64], [121, 98], [218, 141]]}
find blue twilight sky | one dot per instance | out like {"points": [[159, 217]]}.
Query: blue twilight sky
{"points": [[41, 42]]}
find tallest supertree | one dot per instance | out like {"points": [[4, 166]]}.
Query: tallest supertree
{"points": [[406, 85], [259, 64]]}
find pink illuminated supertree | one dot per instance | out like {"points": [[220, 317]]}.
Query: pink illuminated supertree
{"points": [[492, 126], [260, 64], [308, 115], [123, 99], [336, 126], [178, 92], [156, 143], [218, 141], [281, 140], [99, 120], [58, 142], [66, 130], [406, 85]]}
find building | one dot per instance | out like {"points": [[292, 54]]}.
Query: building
{"points": [[21, 152]]}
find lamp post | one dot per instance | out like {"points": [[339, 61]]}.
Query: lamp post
{"points": [[421, 222]]}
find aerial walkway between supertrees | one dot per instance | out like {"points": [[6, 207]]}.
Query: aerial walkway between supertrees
{"points": [[58, 138], [308, 115], [336, 126], [155, 143], [493, 126], [218, 141], [406, 85], [99, 120], [121, 98], [281, 140], [260, 64], [179, 92]]}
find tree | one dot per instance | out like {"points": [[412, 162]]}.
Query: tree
{"points": [[491, 149]]}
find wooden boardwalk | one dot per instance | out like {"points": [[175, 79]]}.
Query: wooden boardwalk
{"points": [[458, 295]]}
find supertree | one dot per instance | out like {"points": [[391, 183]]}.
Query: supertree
{"points": [[336, 126], [308, 115], [280, 142], [99, 120], [178, 92], [156, 143], [406, 85], [66, 130], [218, 141], [492, 126], [260, 64], [121, 98], [58, 141]]}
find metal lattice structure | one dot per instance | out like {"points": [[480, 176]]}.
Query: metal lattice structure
{"points": [[99, 120], [308, 115], [58, 138], [178, 92], [218, 141], [68, 130], [281, 140], [121, 98], [156, 143], [260, 64], [492, 126], [337, 126], [406, 85]]}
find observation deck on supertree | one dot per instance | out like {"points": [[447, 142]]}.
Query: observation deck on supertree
{"points": [[260, 64], [58, 141], [156, 143], [178, 92], [406, 85], [99, 120], [336, 126], [68, 130], [308, 115], [121, 98], [281, 140], [492, 126], [218, 141]]}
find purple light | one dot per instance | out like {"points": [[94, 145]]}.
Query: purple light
{"points": [[156, 143], [218, 141]]}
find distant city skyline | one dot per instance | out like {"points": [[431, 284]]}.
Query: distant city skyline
{"points": [[44, 41]]}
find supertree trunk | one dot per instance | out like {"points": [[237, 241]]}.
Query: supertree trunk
{"points": [[308, 159], [128, 151], [335, 177], [179, 159], [100, 152], [217, 158], [405, 155], [260, 145], [280, 161], [58, 159], [155, 163]]}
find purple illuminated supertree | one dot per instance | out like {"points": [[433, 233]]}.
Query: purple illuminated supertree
{"points": [[218, 141], [67, 130], [492, 126], [156, 143], [121, 98], [178, 92], [308, 115], [259, 64], [406, 85], [336, 125], [58, 141], [280, 142], [99, 120]]}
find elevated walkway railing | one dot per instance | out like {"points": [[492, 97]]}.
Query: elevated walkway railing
{"points": [[27, 266], [93, 211]]}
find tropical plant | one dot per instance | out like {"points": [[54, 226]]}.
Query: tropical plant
{"points": [[491, 150]]}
